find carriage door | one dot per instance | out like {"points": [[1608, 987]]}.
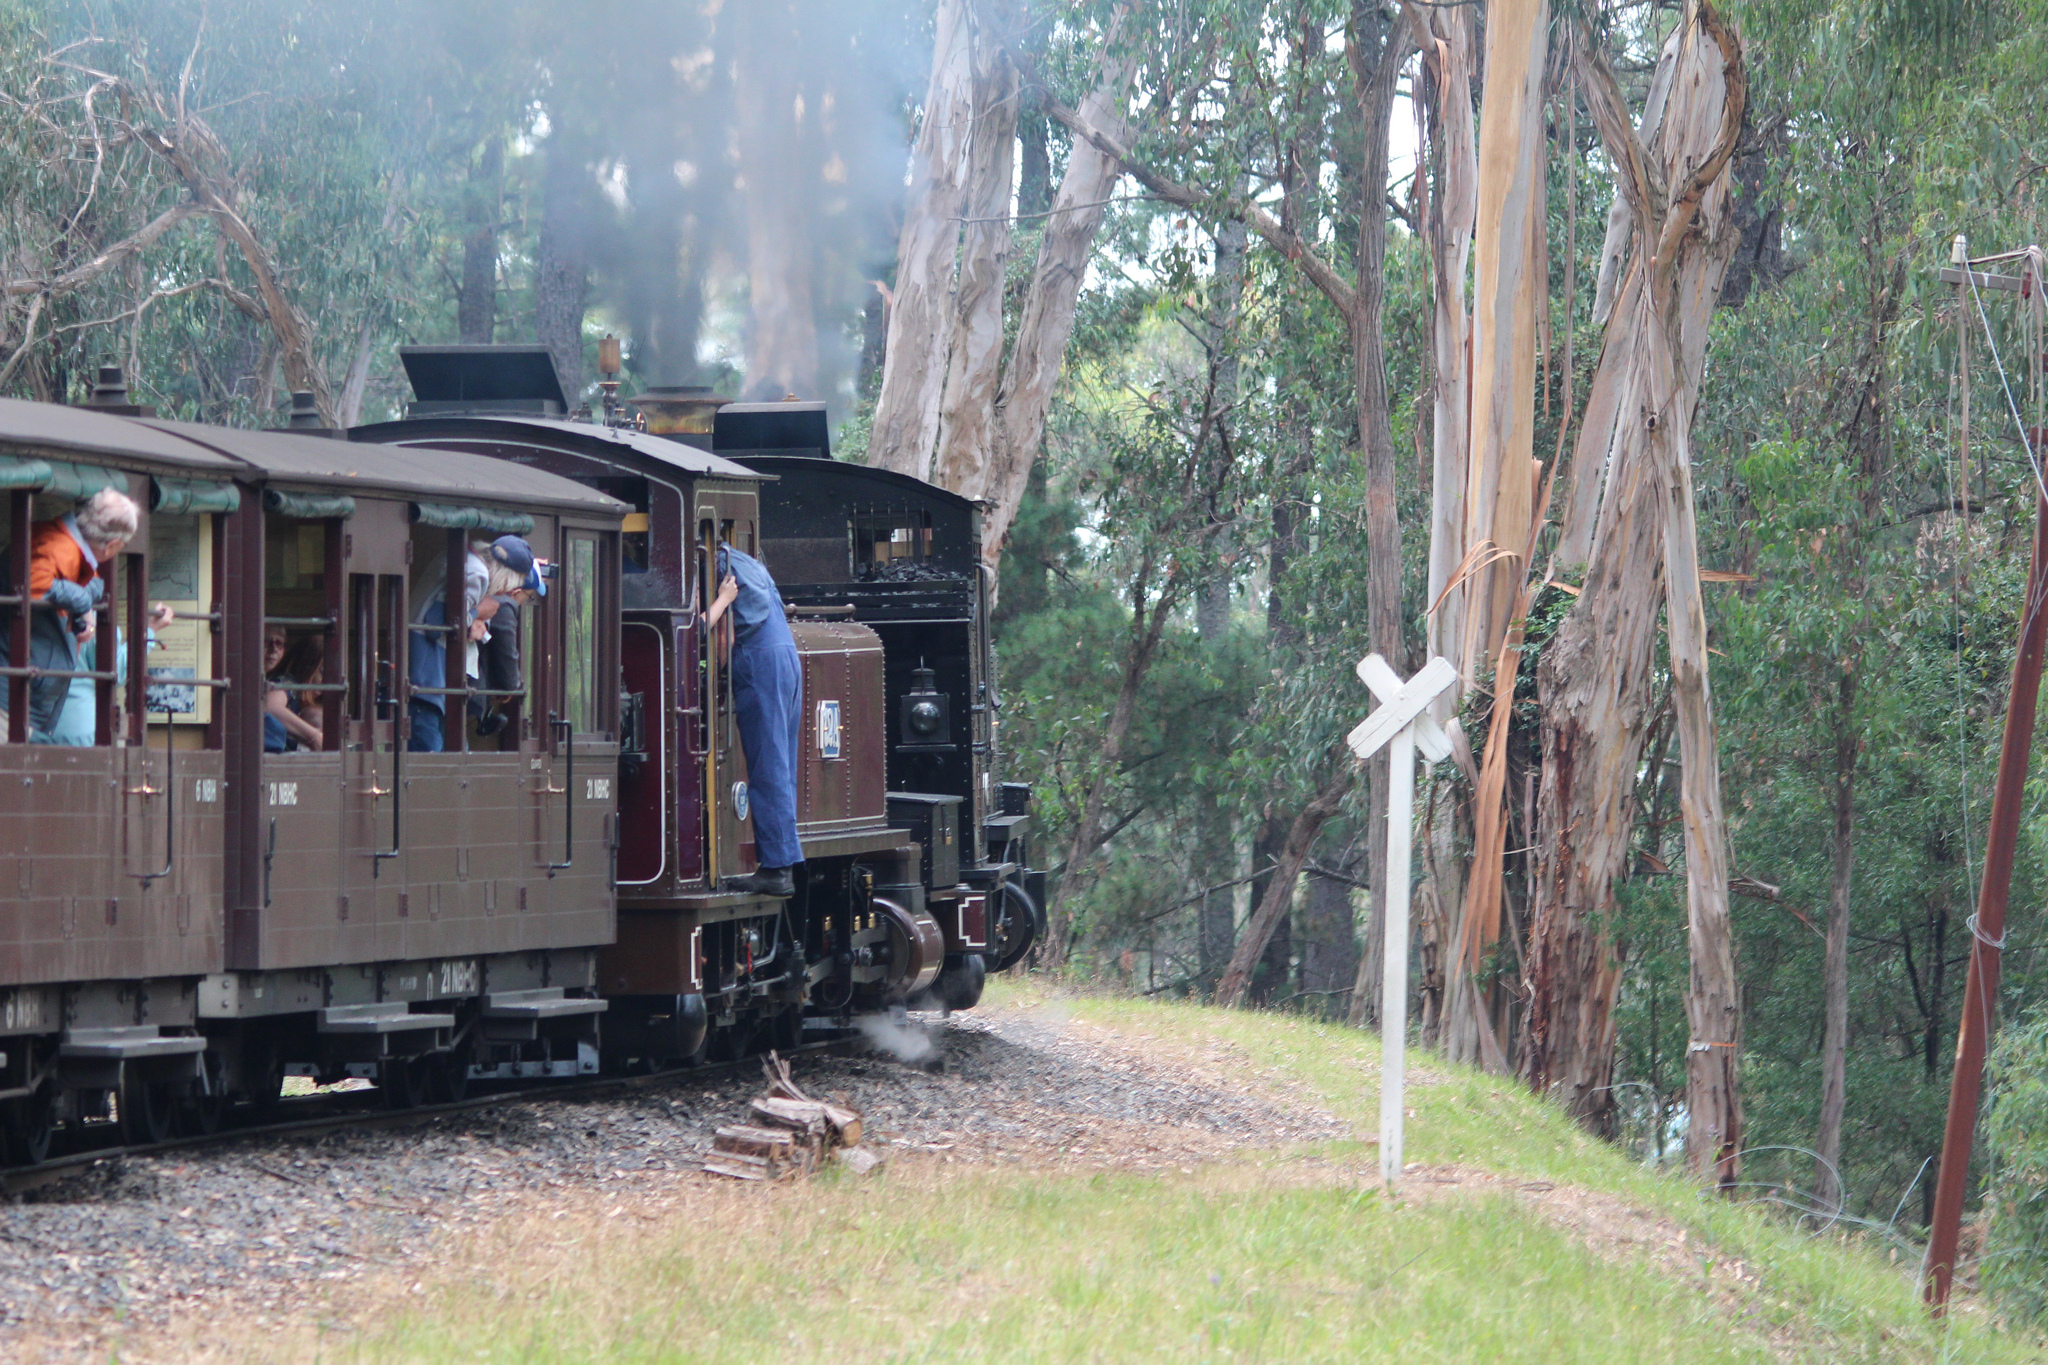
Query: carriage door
{"points": [[729, 833]]}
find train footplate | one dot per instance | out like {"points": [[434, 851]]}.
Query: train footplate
{"points": [[537, 1005], [92, 1058], [389, 1016]]}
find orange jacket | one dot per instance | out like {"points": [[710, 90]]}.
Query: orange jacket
{"points": [[54, 553]]}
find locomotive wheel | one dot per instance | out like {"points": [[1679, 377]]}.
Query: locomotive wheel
{"points": [[917, 950], [147, 1108], [786, 1031], [31, 1121], [1021, 923], [399, 1078]]}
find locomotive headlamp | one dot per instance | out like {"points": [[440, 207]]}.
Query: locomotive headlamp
{"points": [[925, 713]]}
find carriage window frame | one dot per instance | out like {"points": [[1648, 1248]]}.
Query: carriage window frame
{"points": [[582, 619]]}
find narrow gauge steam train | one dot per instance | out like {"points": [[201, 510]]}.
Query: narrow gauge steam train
{"points": [[186, 919]]}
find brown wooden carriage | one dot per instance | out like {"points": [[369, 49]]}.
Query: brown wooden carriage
{"points": [[185, 913]]}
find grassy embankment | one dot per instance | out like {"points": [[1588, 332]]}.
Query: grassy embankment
{"points": [[1549, 1247]]}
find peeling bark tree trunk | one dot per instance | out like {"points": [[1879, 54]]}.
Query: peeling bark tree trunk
{"points": [[1504, 313], [967, 408], [1374, 82], [906, 421], [1594, 678], [1451, 215], [1499, 493], [1046, 323]]}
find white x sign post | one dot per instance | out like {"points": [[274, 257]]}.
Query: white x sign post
{"points": [[1402, 724]]}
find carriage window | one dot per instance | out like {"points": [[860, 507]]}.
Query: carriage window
{"points": [[579, 636], [181, 577]]}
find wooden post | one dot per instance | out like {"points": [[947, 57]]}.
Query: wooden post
{"points": [[1402, 724], [1987, 926], [1394, 990]]}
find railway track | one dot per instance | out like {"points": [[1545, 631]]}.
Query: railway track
{"points": [[362, 1109]]}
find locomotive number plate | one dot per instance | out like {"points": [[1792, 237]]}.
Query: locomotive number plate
{"points": [[828, 729], [597, 789], [284, 793]]}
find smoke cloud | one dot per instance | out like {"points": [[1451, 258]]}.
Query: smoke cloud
{"points": [[902, 1041]]}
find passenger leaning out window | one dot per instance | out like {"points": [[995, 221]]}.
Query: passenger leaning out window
{"points": [[291, 720], [516, 579], [78, 718], [497, 578], [65, 554]]}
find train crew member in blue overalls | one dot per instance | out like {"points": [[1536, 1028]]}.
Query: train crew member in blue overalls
{"points": [[768, 701], [510, 577]]}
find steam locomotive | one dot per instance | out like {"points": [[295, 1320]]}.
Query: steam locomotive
{"points": [[187, 919]]}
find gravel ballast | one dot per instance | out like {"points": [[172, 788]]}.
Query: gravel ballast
{"points": [[259, 1225]]}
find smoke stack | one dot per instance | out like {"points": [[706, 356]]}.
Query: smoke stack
{"points": [[110, 395]]}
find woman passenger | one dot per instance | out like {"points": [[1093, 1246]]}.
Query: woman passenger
{"points": [[290, 720]]}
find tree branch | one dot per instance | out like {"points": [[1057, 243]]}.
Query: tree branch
{"points": [[1287, 242]]}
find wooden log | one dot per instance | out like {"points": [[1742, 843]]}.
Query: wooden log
{"points": [[773, 1143], [799, 1116]]}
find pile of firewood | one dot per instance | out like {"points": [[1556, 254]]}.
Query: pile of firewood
{"points": [[788, 1134]]}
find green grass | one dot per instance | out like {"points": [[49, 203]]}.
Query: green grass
{"points": [[1291, 1255]]}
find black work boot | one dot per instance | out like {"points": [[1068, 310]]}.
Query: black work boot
{"points": [[769, 881]]}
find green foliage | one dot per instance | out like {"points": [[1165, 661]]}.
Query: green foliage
{"points": [[2015, 1257]]}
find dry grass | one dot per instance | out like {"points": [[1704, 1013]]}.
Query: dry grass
{"points": [[1516, 1239]]}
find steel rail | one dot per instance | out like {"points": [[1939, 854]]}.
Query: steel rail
{"points": [[358, 1113]]}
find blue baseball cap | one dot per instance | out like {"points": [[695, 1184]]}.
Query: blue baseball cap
{"points": [[515, 554]]}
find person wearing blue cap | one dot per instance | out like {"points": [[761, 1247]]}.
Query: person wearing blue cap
{"points": [[768, 702], [497, 578]]}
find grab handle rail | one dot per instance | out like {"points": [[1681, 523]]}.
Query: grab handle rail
{"points": [[567, 729], [169, 791]]}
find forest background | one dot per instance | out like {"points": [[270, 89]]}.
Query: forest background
{"points": [[1170, 283]]}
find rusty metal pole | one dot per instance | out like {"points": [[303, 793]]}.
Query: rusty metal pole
{"points": [[1980, 995]]}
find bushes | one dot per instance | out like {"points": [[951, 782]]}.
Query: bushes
{"points": [[2015, 1265]]}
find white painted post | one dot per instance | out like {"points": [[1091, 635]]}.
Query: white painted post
{"points": [[1400, 725], [1394, 990]]}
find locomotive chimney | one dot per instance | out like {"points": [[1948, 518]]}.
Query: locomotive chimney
{"points": [[110, 395]]}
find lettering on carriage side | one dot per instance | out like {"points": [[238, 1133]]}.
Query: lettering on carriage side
{"points": [[458, 977], [597, 789], [284, 793], [828, 729], [206, 790]]}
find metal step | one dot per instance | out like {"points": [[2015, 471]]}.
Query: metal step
{"points": [[389, 1016], [125, 1044], [535, 1005]]}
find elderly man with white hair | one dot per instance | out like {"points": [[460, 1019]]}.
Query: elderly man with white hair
{"points": [[65, 554]]}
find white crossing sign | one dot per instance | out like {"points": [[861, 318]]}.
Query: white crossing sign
{"points": [[1401, 724]]}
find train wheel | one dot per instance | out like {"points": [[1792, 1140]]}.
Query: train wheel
{"points": [[1019, 924], [262, 1074], [399, 1078], [31, 1122], [147, 1108], [786, 1031], [451, 1076], [203, 1111]]}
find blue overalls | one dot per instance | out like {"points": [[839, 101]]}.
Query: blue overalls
{"points": [[768, 701]]}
